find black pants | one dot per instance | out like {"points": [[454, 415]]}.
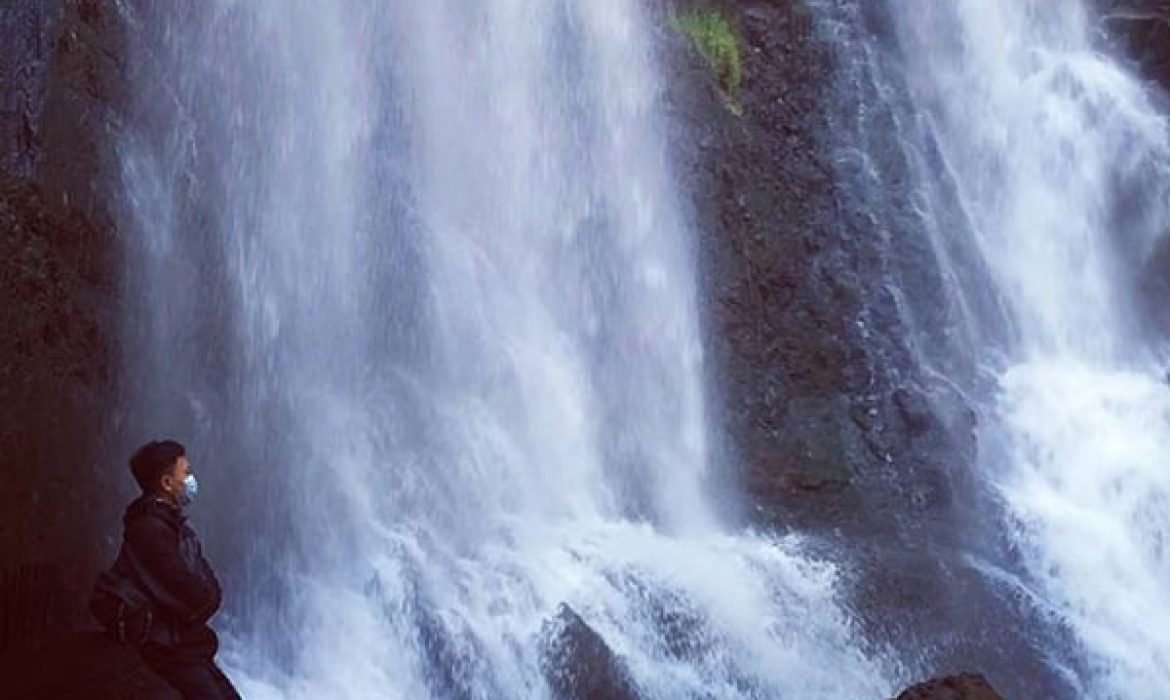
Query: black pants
{"points": [[193, 674]]}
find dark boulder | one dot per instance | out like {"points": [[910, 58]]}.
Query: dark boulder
{"points": [[579, 665], [966, 686]]}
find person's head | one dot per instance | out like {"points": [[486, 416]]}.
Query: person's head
{"points": [[161, 468]]}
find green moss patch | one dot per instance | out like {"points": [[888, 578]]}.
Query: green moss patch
{"points": [[712, 35]]}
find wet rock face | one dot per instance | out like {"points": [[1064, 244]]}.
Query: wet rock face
{"points": [[23, 73], [824, 297], [806, 265], [1154, 285], [578, 664], [1140, 29], [835, 334], [58, 80], [761, 192], [967, 686]]}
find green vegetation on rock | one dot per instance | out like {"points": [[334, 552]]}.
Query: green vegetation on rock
{"points": [[711, 34]]}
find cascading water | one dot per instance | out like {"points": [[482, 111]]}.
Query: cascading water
{"points": [[413, 280], [1062, 165]]}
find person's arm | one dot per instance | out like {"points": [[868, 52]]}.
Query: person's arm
{"points": [[213, 583], [156, 549]]}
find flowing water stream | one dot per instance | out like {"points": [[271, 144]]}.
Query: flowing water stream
{"points": [[414, 280], [1062, 164]]}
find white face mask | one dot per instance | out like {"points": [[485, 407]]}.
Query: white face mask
{"points": [[190, 488]]}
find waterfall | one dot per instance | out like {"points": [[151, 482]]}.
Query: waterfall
{"points": [[1062, 165], [413, 281]]}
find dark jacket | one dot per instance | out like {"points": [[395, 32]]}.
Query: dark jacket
{"points": [[169, 567]]}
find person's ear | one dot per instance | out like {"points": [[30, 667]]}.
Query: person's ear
{"points": [[166, 482]]}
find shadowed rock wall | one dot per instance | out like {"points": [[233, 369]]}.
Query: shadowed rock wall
{"points": [[59, 74], [837, 335]]}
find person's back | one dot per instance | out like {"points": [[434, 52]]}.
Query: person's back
{"points": [[163, 556]]}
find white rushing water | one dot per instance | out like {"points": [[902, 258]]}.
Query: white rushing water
{"points": [[1063, 167], [414, 278]]}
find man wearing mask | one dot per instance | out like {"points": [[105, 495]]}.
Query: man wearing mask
{"points": [[162, 555]]}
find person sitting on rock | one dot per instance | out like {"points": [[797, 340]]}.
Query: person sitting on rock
{"points": [[162, 555]]}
